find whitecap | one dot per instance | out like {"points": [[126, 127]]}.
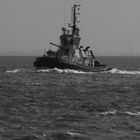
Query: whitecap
{"points": [[74, 134], [14, 71], [113, 71], [132, 113], [109, 112]]}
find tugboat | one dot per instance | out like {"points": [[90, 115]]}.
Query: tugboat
{"points": [[70, 55]]}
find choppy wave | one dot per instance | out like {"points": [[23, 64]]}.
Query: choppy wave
{"points": [[113, 71], [61, 134], [114, 112]]}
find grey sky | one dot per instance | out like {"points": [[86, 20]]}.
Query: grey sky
{"points": [[111, 27]]}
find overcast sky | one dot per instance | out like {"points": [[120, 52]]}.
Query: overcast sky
{"points": [[110, 27]]}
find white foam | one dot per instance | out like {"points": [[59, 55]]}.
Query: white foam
{"points": [[74, 134], [71, 71], [120, 112], [123, 71], [109, 112], [132, 114], [62, 71], [14, 71], [44, 70]]}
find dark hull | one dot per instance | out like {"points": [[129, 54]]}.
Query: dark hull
{"points": [[52, 62]]}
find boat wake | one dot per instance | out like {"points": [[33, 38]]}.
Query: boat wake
{"points": [[45, 70], [116, 71], [62, 71], [113, 71]]}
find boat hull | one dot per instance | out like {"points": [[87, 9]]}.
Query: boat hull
{"points": [[53, 62]]}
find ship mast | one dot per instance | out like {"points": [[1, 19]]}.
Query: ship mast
{"points": [[74, 27]]}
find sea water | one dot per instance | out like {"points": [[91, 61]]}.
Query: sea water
{"points": [[55, 104]]}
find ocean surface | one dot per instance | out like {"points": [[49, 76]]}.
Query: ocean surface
{"points": [[59, 104]]}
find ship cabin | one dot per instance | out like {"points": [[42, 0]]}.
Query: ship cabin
{"points": [[69, 43], [70, 49]]}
